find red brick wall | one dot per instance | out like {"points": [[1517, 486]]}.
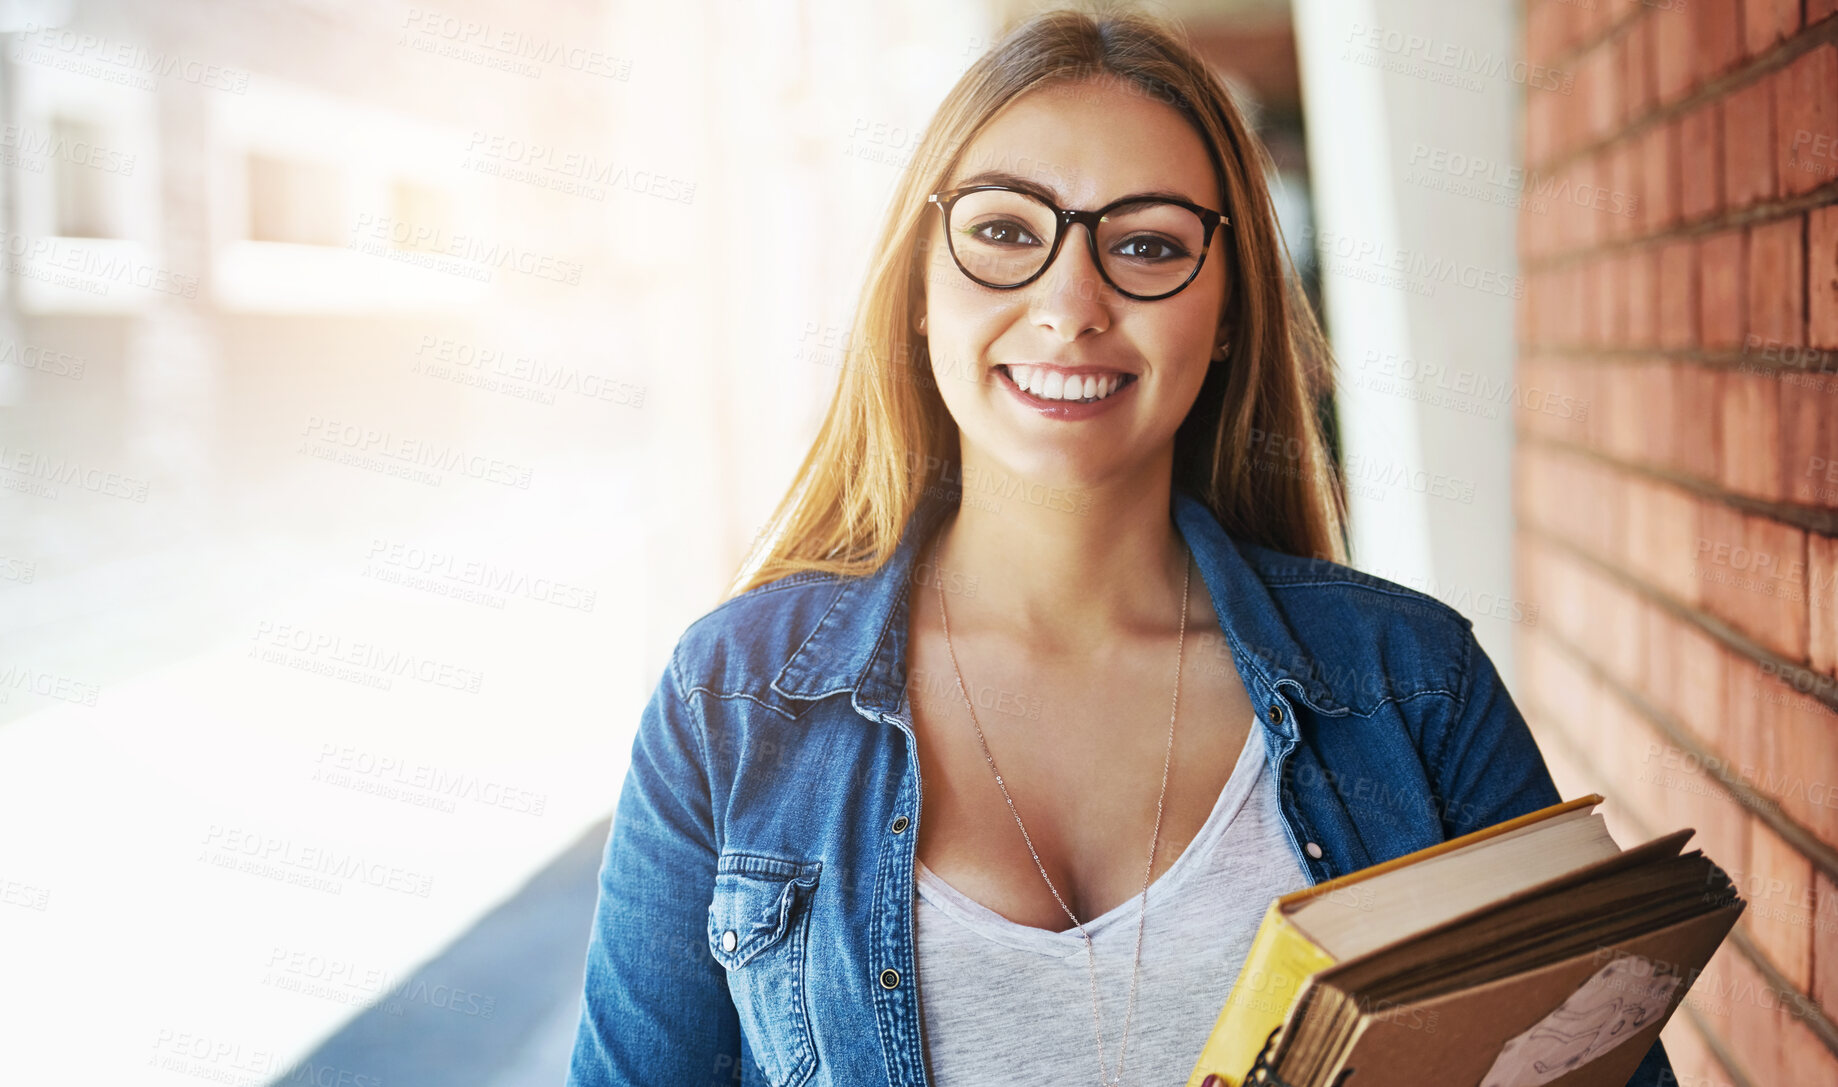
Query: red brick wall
{"points": [[1676, 474]]}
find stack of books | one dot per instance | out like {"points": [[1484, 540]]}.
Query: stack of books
{"points": [[1532, 952]]}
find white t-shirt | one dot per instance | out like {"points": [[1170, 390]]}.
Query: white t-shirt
{"points": [[1003, 1003]]}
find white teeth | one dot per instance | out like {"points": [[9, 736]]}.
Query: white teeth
{"points": [[1053, 385]]}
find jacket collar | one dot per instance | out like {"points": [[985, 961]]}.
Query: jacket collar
{"points": [[859, 645]]}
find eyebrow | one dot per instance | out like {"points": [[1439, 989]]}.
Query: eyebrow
{"points": [[1016, 181]]}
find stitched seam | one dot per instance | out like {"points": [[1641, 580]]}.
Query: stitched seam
{"points": [[805, 702], [793, 581], [790, 581], [800, 868], [1344, 710], [797, 579], [1348, 710], [699, 733], [807, 1045], [1433, 605], [1461, 709], [712, 693], [883, 875], [1400, 592]]}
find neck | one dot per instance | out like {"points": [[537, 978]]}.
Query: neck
{"points": [[1064, 570]]}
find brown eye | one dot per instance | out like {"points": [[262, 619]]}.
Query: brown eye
{"points": [[1002, 232]]}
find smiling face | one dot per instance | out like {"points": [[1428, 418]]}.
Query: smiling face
{"points": [[1069, 336]]}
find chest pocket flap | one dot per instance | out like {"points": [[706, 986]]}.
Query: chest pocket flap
{"points": [[756, 930], [756, 898]]}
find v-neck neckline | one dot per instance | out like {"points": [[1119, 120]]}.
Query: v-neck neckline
{"points": [[965, 910]]}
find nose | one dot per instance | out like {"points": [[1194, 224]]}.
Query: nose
{"points": [[1071, 298]]}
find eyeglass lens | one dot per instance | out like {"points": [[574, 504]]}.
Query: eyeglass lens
{"points": [[1002, 237]]}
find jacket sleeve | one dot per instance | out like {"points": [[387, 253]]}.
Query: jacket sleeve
{"points": [[1487, 769], [1486, 766], [656, 1010]]}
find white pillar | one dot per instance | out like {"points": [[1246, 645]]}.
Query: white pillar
{"points": [[1413, 119]]}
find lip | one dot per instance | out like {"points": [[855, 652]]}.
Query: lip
{"points": [[1066, 409], [1081, 371]]}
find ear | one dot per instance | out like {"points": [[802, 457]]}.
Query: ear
{"points": [[1222, 343]]}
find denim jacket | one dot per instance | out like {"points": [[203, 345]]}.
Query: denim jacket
{"points": [[755, 913]]}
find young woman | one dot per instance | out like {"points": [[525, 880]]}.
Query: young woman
{"points": [[1049, 676]]}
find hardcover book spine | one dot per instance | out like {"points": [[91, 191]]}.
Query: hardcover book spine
{"points": [[1263, 1074], [1280, 960]]}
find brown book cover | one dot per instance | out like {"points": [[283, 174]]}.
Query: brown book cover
{"points": [[1583, 1022], [1408, 1013]]}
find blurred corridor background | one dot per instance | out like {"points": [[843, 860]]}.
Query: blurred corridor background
{"points": [[384, 387]]}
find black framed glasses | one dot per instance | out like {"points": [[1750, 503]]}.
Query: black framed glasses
{"points": [[1146, 248]]}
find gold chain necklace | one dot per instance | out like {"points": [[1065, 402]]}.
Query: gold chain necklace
{"points": [[1143, 911]]}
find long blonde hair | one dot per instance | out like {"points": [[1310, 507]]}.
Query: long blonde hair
{"points": [[1251, 448]]}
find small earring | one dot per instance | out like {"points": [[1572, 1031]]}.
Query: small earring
{"points": [[1222, 350], [922, 322]]}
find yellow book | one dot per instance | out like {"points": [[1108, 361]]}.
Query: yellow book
{"points": [[1349, 916], [1280, 959]]}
